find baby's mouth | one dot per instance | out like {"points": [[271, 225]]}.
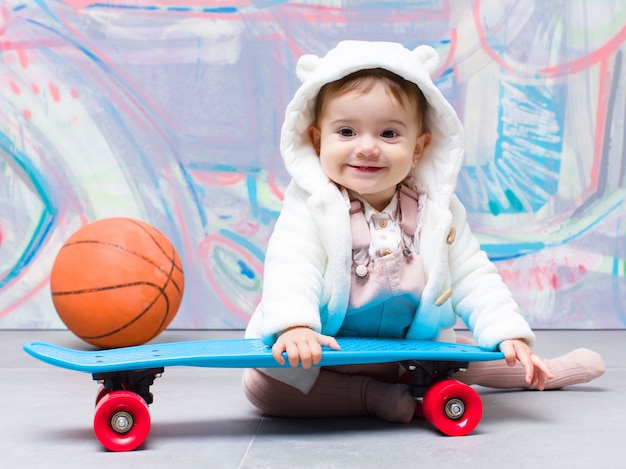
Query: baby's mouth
{"points": [[366, 169]]}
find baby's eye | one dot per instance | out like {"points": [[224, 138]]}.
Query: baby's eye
{"points": [[346, 132], [389, 134]]}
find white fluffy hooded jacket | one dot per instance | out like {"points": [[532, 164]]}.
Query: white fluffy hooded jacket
{"points": [[309, 256]]}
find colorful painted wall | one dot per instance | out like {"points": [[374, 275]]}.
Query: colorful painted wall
{"points": [[170, 110]]}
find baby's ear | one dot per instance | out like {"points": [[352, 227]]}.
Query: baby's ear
{"points": [[428, 57], [315, 137], [306, 65]]}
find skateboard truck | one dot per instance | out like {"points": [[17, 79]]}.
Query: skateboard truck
{"points": [[137, 381], [424, 374]]}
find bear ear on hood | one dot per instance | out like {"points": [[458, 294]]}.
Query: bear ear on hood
{"points": [[428, 57], [306, 66]]}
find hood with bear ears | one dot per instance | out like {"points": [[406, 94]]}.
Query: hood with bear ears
{"points": [[440, 164]]}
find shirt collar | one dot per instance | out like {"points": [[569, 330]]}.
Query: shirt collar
{"points": [[391, 210]]}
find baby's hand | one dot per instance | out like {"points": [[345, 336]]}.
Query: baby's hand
{"points": [[303, 345], [536, 369]]}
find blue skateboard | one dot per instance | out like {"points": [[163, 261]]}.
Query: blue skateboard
{"points": [[122, 419]]}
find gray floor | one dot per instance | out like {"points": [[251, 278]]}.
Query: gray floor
{"points": [[201, 418]]}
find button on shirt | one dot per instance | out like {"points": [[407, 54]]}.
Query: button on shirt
{"points": [[385, 232]]}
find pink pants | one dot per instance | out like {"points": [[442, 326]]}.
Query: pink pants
{"points": [[340, 391]]}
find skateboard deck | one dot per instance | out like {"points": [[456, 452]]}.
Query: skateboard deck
{"points": [[250, 353], [122, 419]]}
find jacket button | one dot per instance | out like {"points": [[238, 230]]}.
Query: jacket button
{"points": [[443, 297], [451, 235], [361, 270]]}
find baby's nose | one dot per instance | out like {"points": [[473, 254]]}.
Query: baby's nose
{"points": [[368, 146]]}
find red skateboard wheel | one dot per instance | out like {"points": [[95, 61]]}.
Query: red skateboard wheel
{"points": [[102, 391], [452, 407], [122, 421]]}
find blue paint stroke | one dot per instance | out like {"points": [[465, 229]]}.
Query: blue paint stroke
{"points": [[252, 195], [176, 9], [615, 275], [245, 270], [264, 215], [500, 252], [195, 193], [47, 219], [524, 174], [244, 243]]}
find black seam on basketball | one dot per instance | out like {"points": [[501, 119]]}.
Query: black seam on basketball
{"points": [[108, 287], [136, 254], [167, 309], [172, 259], [169, 276], [161, 291], [142, 227], [139, 316]]}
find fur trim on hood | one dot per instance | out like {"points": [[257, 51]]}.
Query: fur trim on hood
{"points": [[439, 166]]}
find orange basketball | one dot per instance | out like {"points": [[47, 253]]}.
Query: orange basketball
{"points": [[117, 282]]}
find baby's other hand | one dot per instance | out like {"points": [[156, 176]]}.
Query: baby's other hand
{"points": [[536, 368], [302, 345]]}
